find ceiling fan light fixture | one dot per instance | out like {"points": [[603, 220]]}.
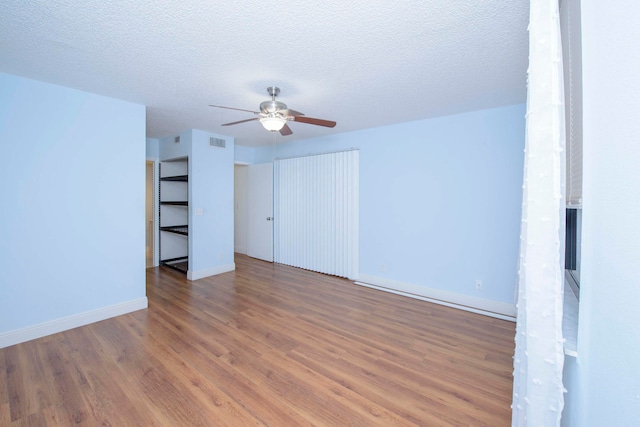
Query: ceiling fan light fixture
{"points": [[273, 124]]}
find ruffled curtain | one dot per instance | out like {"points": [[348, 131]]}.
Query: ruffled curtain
{"points": [[537, 389]]}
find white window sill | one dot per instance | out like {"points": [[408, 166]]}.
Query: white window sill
{"points": [[570, 318]]}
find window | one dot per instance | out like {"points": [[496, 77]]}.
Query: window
{"points": [[572, 62], [573, 242]]}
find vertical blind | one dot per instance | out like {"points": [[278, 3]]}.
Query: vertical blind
{"points": [[316, 213], [572, 61]]}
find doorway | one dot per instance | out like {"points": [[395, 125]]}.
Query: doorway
{"points": [[240, 208], [149, 214], [253, 210]]}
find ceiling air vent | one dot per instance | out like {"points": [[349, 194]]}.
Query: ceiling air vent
{"points": [[217, 142], [176, 139]]}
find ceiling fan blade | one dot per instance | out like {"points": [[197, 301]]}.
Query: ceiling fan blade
{"points": [[312, 121], [286, 130], [231, 108], [239, 121], [290, 112]]}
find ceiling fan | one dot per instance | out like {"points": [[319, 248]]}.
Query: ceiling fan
{"points": [[273, 115]]}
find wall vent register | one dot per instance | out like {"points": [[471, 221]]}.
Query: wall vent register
{"points": [[217, 142]]}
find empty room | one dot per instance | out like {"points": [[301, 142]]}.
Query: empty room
{"points": [[289, 214]]}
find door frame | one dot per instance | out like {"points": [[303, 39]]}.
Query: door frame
{"points": [[154, 235], [240, 211]]}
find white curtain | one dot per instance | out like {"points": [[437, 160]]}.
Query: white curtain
{"points": [[537, 390], [316, 213]]}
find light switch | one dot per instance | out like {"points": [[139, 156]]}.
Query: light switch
{"points": [[199, 211]]}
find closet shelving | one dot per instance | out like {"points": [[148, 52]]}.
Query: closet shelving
{"points": [[173, 215], [178, 229]]}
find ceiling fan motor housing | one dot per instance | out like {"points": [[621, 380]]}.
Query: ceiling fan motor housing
{"points": [[272, 106]]}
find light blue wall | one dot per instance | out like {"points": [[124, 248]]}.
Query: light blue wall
{"points": [[153, 148], [170, 150], [604, 383], [440, 199], [243, 155], [211, 170], [73, 202]]}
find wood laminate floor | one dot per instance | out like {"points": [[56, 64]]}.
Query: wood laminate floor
{"points": [[265, 345]]}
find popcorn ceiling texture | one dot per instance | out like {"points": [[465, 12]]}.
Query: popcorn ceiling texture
{"points": [[360, 63]]}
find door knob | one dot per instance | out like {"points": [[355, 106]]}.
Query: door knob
{"points": [[268, 218]]}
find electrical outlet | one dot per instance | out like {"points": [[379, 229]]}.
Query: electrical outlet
{"points": [[478, 284], [383, 267]]}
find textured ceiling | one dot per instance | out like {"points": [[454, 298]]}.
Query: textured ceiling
{"points": [[360, 63]]}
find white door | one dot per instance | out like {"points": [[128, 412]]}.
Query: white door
{"points": [[260, 211]]}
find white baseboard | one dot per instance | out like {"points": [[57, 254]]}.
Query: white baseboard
{"points": [[195, 275], [483, 306], [65, 323]]}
